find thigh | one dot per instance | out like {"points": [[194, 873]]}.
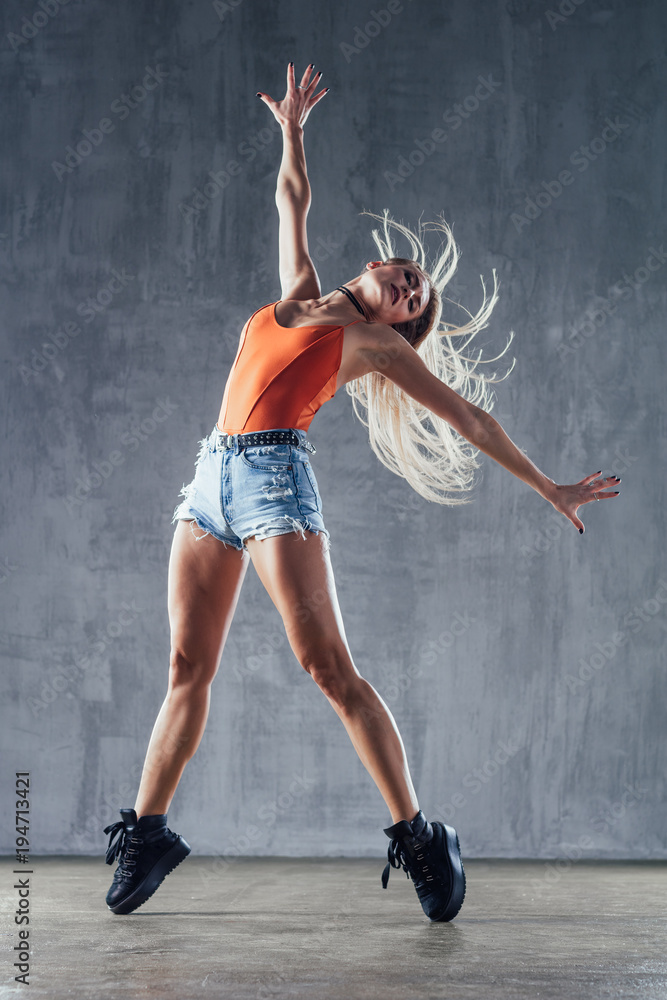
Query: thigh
{"points": [[205, 579], [270, 490], [297, 574]]}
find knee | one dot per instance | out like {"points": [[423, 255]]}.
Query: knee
{"points": [[335, 675], [189, 671]]}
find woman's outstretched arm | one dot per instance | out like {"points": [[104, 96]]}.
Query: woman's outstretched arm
{"points": [[394, 358], [298, 277]]}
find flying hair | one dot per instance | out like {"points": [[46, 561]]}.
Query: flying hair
{"points": [[410, 440]]}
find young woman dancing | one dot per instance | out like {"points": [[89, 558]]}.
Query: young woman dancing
{"points": [[255, 497]]}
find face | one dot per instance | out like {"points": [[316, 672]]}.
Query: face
{"points": [[397, 293]]}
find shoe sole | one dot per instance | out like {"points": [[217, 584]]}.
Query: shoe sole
{"points": [[154, 879], [457, 874]]}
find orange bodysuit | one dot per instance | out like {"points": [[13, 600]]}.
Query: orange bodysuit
{"points": [[280, 376]]}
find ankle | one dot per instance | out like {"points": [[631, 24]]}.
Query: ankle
{"points": [[418, 827], [152, 821], [406, 816], [151, 809]]}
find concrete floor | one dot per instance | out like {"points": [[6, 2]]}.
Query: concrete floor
{"points": [[270, 928]]}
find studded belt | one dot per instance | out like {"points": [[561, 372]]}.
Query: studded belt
{"points": [[263, 437]]}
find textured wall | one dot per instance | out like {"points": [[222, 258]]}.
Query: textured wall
{"points": [[524, 662]]}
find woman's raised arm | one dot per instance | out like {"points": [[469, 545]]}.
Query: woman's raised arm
{"points": [[394, 358], [298, 277]]}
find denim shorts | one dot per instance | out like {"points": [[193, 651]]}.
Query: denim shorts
{"points": [[260, 490]]}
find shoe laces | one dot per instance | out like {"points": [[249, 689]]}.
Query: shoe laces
{"points": [[412, 854], [127, 844]]}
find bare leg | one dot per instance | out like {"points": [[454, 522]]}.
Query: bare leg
{"points": [[298, 576], [205, 579]]}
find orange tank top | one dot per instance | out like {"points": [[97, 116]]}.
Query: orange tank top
{"points": [[281, 376]]}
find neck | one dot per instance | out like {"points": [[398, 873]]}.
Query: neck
{"points": [[355, 300]]}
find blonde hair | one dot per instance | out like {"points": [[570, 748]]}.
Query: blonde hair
{"points": [[435, 460]]}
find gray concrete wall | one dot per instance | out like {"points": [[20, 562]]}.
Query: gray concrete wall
{"points": [[524, 662]]}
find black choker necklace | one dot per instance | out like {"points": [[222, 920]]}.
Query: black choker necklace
{"points": [[346, 291]]}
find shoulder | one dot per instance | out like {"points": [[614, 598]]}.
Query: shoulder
{"points": [[379, 339]]}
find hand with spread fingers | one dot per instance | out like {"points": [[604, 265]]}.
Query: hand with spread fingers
{"points": [[568, 499], [298, 101]]}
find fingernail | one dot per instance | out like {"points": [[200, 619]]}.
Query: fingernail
{"points": [[291, 64], [581, 531], [327, 90], [598, 473], [258, 94]]}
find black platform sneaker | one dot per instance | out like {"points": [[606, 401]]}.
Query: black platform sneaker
{"points": [[429, 854], [148, 851]]}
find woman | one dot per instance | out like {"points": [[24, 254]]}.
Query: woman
{"points": [[255, 496]]}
